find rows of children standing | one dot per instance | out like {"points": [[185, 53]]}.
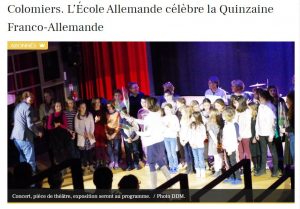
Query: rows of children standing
{"points": [[134, 130]]}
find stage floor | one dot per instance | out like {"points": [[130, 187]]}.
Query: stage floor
{"points": [[258, 182]]}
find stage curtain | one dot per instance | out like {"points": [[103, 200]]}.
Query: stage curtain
{"points": [[111, 65]]}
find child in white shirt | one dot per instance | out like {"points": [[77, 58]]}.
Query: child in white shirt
{"points": [[197, 136], [171, 129], [230, 143]]}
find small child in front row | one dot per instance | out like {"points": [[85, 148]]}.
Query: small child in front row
{"points": [[197, 136], [131, 141], [254, 144], [230, 143], [213, 130], [171, 130]]}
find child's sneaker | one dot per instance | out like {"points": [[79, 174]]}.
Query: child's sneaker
{"points": [[111, 165], [116, 166], [137, 166], [198, 172], [217, 174], [236, 181], [203, 173], [228, 180]]}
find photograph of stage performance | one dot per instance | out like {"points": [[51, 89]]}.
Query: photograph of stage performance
{"points": [[177, 121]]}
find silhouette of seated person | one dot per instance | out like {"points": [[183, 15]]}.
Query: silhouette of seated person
{"points": [[102, 179], [22, 176], [55, 180], [129, 184]]}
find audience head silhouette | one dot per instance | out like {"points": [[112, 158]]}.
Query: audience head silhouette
{"points": [[129, 182], [103, 178], [22, 175]]}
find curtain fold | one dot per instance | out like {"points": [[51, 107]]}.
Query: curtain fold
{"points": [[110, 65]]}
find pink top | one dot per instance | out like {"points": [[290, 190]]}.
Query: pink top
{"points": [[63, 123]]}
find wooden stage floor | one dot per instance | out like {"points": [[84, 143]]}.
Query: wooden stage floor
{"points": [[258, 182]]}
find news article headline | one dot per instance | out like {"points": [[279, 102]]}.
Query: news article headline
{"points": [[82, 8]]}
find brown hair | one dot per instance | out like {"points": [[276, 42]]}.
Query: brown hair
{"points": [[94, 101], [168, 86], [117, 91], [239, 84], [168, 105], [130, 84], [242, 104], [86, 114], [198, 119], [152, 104], [26, 94], [181, 100], [112, 104]]}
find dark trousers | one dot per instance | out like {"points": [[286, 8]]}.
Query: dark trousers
{"points": [[132, 153], [156, 155], [142, 155], [231, 161], [263, 140], [180, 153], [188, 154], [255, 154], [101, 154], [279, 149], [87, 156]]}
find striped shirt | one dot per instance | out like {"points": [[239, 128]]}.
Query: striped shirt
{"points": [[70, 115]]}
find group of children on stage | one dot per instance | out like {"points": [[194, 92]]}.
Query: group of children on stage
{"points": [[173, 134]]}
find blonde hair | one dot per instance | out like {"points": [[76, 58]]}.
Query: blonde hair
{"points": [[213, 114], [254, 109], [194, 103], [187, 111], [228, 114]]}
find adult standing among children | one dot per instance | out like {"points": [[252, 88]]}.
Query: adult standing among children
{"points": [[153, 140], [25, 130], [281, 122], [134, 97]]}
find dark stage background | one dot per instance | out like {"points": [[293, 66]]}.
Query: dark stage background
{"points": [[188, 65]]}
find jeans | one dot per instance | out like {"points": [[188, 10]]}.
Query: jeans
{"points": [[170, 145], [292, 145], [231, 160], [188, 155], [26, 152], [132, 153], [198, 154], [263, 140], [113, 148]]}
